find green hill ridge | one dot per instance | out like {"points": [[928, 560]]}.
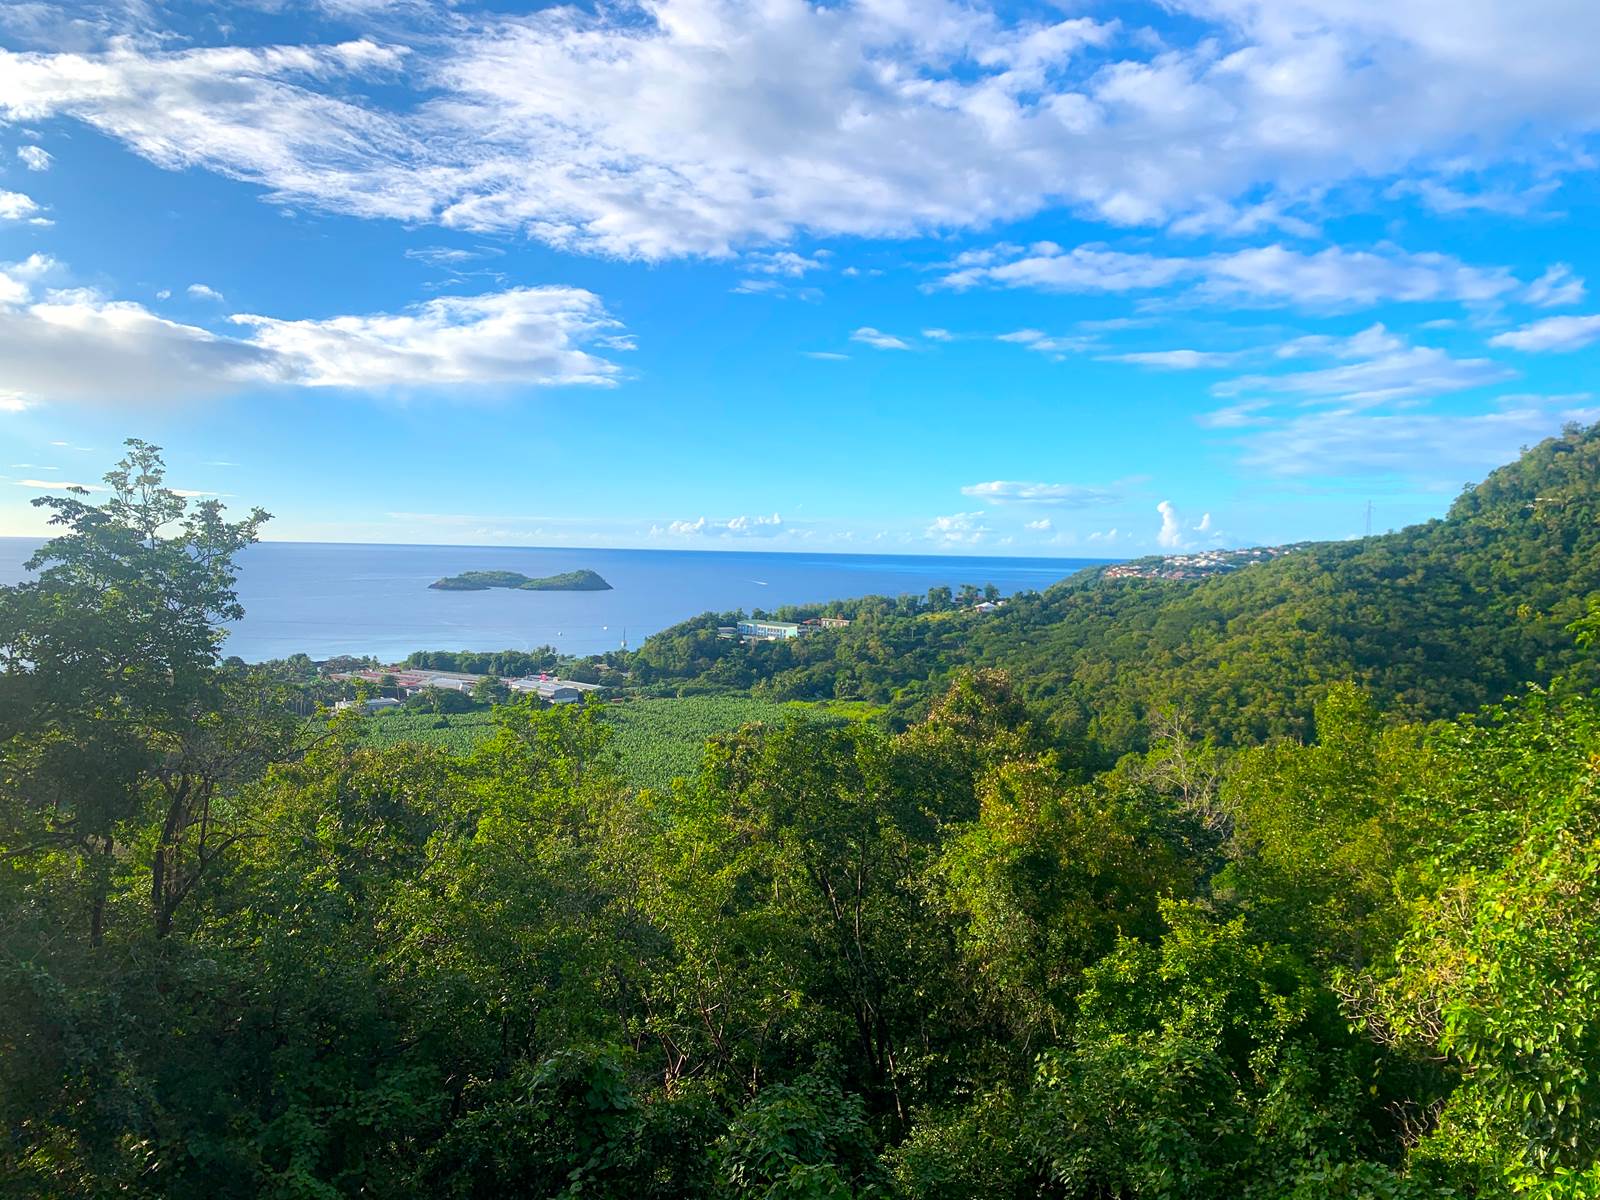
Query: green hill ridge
{"points": [[1432, 620]]}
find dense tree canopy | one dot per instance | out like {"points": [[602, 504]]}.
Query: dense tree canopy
{"points": [[958, 954]]}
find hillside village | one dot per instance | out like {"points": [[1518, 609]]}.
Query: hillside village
{"points": [[1194, 566], [403, 683]]}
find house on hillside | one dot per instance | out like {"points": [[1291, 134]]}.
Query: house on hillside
{"points": [[376, 705], [768, 631], [551, 691]]}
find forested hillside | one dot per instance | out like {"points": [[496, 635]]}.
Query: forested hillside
{"points": [[247, 954], [1432, 620]]}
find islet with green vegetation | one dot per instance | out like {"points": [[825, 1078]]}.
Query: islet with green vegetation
{"points": [[583, 580]]}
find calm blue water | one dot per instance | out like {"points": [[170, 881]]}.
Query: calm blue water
{"points": [[327, 599]]}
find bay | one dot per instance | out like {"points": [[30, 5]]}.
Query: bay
{"points": [[327, 598]]}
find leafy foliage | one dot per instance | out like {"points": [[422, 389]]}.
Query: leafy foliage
{"points": [[540, 952]]}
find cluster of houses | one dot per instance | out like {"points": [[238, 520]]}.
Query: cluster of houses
{"points": [[408, 682], [1193, 566], [753, 630]]}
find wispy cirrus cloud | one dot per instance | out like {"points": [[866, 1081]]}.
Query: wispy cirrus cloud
{"points": [[1176, 360], [1067, 495], [1334, 278], [1551, 335], [1557, 287], [1383, 367], [1384, 406], [1057, 346], [878, 340], [57, 485], [1436, 448]]}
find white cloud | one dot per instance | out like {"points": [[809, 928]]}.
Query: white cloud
{"points": [[1082, 269], [1175, 360], [786, 263], [527, 336], [199, 291], [826, 355], [1042, 525], [1453, 201], [1382, 368], [1444, 448], [57, 485], [756, 526], [1057, 347], [77, 346], [878, 340], [35, 158], [14, 206], [958, 529], [1558, 334], [737, 527], [1333, 278], [450, 257], [1068, 495], [1556, 288], [1234, 416], [252, 114], [938, 335], [699, 126], [1170, 535]]}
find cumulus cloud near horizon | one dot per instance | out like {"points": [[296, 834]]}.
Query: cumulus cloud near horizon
{"points": [[757, 526]]}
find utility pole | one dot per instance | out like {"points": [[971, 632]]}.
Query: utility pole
{"points": [[1368, 533]]}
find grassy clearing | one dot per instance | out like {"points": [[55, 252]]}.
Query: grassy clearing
{"points": [[656, 740]]}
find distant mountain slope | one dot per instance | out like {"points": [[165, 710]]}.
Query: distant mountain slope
{"points": [[1434, 620]]}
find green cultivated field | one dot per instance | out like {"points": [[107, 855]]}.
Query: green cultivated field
{"points": [[656, 740], [458, 732]]}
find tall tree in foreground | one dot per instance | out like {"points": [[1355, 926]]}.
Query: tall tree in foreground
{"points": [[110, 697]]}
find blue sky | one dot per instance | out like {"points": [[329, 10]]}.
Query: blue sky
{"points": [[1076, 279]]}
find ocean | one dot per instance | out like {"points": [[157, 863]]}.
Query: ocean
{"points": [[324, 599]]}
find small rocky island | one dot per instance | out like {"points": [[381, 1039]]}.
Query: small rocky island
{"points": [[481, 581]]}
